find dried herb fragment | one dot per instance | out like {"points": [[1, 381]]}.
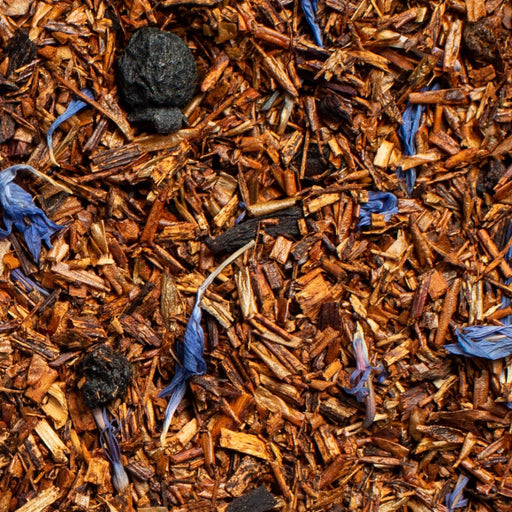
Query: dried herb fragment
{"points": [[21, 51], [157, 76], [480, 41], [283, 222], [257, 500]]}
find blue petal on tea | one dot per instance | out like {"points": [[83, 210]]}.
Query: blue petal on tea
{"points": [[241, 217], [190, 353], [485, 341], [410, 125], [26, 283], [360, 376], [309, 10], [20, 211], [73, 108], [383, 203], [454, 499], [108, 439], [505, 299], [112, 450], [411, 119]]}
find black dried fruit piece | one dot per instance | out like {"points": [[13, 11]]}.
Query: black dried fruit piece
{"points": [[256, 500], [157, 76], [107, 375], [489, 177], [335, 107], [21, 51], [480, 41], [284, 222]]}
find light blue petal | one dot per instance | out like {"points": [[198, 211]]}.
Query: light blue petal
{"points": [[487, 342], [74, 107]]}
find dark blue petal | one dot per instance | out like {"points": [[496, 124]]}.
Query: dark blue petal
{"points": [[383, 203], [190, 353], [505, 300], [73, 108], [108, 440], [411, 118], [309, 10], [20, 211], [28, 284], [487, 342]]}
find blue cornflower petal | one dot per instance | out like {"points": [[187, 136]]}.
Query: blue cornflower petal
{"points": [[28, 284], [73, 108], [108, 440], [505, 300], [485, 341], [241, 217], [454, 499], [190, 353], [410, 126], [111, 448], [407, 133], [360, 389], [309, 10], [360, 376], [20, 211], [384, 203]]}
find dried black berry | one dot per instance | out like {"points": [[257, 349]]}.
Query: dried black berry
{"points": [[107, 375], [480, 41], [21, 51], [157, 76]]}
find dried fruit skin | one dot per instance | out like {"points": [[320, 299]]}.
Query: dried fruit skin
{"points": [[107, 375], [480, 41], [157, 76]]}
